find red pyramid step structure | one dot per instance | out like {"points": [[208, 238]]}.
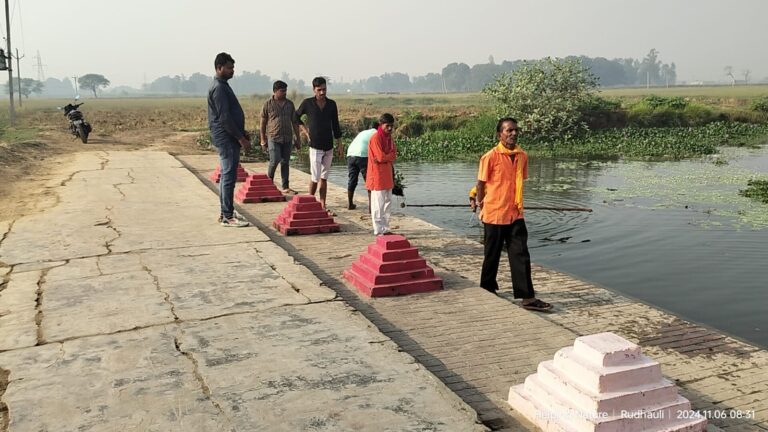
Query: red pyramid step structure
{"points": [[390, 267], [304, 214], [242, 174], [258, 188]]}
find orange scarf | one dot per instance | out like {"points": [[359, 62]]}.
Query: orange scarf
{"points": [[518, 173]]}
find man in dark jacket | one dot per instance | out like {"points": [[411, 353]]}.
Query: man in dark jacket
{"points": [[226, 120]]}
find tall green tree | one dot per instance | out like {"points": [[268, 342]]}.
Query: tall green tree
{"points": [[93, 82], [650, 68], [456, 77], [28, 86], [546, 96]]}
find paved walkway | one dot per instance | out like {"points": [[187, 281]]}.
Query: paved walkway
{"points": [[124, 306], [479, 344]]}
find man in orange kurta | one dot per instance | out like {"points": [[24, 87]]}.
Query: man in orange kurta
{"points": [[380, 177], [500, 198]]}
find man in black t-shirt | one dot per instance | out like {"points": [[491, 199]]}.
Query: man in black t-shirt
{"points": [[321, 129]]}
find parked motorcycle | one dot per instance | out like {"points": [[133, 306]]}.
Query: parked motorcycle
{"points": [[77, 124]]}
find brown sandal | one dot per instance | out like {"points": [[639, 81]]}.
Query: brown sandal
{"points": [[537, 305]]}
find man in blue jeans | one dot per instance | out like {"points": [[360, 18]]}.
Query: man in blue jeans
{"points": [[278, 127], [226, 120]]}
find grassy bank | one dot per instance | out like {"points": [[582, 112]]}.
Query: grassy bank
{"points": [[635, 123], [631, 142]]}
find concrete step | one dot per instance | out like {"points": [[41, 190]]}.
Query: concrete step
{"points": [[668, 415], [630, 398], [604, 379]]}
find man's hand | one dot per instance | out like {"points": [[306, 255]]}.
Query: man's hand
{"points": [[339, 148], [245, 143], [472, 205]]}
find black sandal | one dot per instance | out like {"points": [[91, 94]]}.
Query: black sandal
{"points": [[537, 305]]}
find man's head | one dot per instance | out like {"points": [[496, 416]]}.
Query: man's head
{"points": [[279, 88], [387, 122], [319, 87], [507, 131], [225, 66]]}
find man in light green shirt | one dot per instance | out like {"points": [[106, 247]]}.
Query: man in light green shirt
{"points": [[357, 162]]}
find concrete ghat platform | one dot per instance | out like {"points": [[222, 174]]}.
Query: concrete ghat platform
{"points": [[480, 345], [125, 306]]}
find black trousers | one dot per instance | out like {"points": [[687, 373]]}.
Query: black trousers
{"points": [[355, 166], [515, 236]]}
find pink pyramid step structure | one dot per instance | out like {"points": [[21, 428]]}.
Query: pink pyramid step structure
{"points": [[242, 174], [258, 188], [390, 267], [603, 384], [304, 214]]}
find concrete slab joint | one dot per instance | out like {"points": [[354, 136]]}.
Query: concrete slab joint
{"points": [[196, 372]]}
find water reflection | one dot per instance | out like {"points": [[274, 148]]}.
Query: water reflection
{"points": [[672, 234]]}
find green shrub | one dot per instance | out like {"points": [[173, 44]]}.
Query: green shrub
{"points": [[602, 113], [757, 190], [675, 102], [760, 104], [699, 115]]}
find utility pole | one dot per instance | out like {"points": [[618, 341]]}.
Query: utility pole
{"points": [[18, 73], [77, 92], [40, 71], [12, 112]]}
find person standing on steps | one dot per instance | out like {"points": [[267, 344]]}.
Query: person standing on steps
{"points": [[321, 130], [500, 200], [277, 131], [380, 180], [226, 121], [357, 163]]}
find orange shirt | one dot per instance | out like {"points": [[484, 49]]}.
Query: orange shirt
{"points": [[380, 171], [498, 169]]}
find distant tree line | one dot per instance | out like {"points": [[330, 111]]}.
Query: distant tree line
{"points": [[454, 77]]}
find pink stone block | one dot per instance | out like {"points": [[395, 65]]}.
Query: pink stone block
{"points": [[632, 398], [382, 254], [606, 349], [392, 242], [372, 276], [603, 384], [304, 215], [390, 267], [304, 199], [394, 266], [600, 379]]}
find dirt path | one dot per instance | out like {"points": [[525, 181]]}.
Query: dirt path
{"points": [[24, 167]]}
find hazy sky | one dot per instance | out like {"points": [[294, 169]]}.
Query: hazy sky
{"points": [[130, 41]]}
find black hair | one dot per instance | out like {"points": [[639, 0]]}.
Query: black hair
{"points": [[278, 85], [502, 121], [375, 125], [222, 59], [317, 82], [386, 118]]}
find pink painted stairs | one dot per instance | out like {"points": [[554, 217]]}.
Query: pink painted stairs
{"points": [[603, 384], [304, 214], [391, 266], [258, 188], [242, 174]]}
